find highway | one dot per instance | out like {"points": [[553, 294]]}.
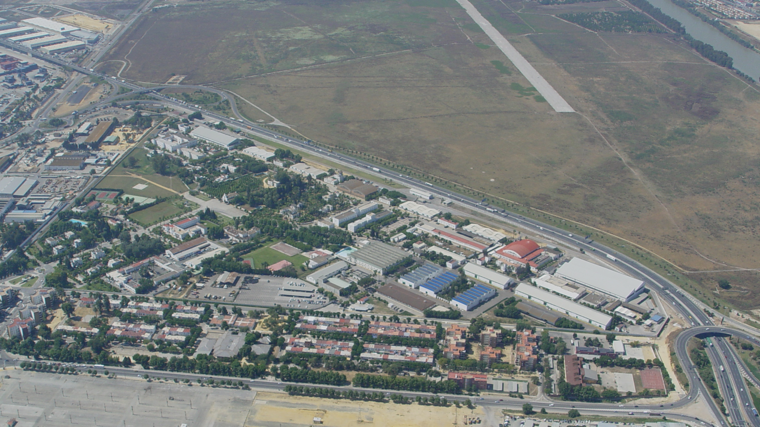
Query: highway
{"points": [[730, 382]]}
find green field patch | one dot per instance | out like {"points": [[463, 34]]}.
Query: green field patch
{"points": [[503, 69], [523, 91], [161, 211], [432, 3], [482, 46], [539, 98], [270, 256]]}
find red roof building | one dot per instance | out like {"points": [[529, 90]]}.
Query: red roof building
{"points": [[521, 252]]}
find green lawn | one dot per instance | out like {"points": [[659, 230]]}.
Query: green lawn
{"points": [[121, 178], [163, 210], [30, 283], [271, 256]]}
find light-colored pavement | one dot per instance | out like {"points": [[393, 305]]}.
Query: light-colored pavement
{"points": [[216, 206], [537, 80]]}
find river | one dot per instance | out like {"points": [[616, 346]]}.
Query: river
{"points": [[745, 60]]}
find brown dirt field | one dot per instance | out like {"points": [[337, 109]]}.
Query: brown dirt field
{"points": [[298, 410]]}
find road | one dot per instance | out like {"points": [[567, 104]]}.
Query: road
{"points": [[731, 382]]}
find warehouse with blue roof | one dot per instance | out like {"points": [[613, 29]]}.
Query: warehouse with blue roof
{"points": [[473, 297], [420, 275], [438, 284]]}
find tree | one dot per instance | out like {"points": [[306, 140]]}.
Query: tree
{"points": [[67, 308], [611, 338], [573, 413], [723, 283], [543, 410], [527, 409]]}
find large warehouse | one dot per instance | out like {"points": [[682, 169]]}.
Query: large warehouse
{"points": [[600, 279], [215, 137], [49, 25], [378, 256], [473, 297], [563, 305], [16, 186], [486, 275]]}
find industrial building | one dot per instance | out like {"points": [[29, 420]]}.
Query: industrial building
{"points": [[48, 25], [473, 297], [10, 32], [419, 209], [414, 279], [62, 47], [357, 188], [484, 232], [44, 41], [221, 139], [524, 252], [305, 170], [188, 249], [600, 279], [353, 213], [65, 163], [258, 153], [453, 237], [87, 36], [421, 193], [30, 36], [318, 277], [486, 275], [405, 298], [456, 259], [367, 220], [5, 24], [438, 284], [102, 130], [378, 256], [16, 186], [563, 305], [560, 286]]}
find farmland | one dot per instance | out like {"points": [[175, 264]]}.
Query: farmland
{"points": [[663, 150]]}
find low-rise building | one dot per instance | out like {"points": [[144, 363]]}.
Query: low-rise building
{"points": [[486, 275]]}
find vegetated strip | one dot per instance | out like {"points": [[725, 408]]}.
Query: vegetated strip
{"points": [[706, 50], [544, 88]]}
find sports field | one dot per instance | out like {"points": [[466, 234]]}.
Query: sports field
{"points": [[271, 256], [141, 180], [663, 150], [161, 211]]}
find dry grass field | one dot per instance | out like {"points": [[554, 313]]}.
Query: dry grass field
{"points": [[663, 150]]}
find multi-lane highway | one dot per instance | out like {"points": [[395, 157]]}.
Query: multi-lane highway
{"points": [[730, 379]]}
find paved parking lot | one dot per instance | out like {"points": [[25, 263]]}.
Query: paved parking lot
{"points": [[268, 292]]}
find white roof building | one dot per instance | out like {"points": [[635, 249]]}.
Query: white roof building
{"points": [[419, 209], [484, 232], [258, 153], [563, 305], [559, 286], [215, 137], [306, 170], [49, 25], [486, 275], [318, 277], [600, 279]]}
